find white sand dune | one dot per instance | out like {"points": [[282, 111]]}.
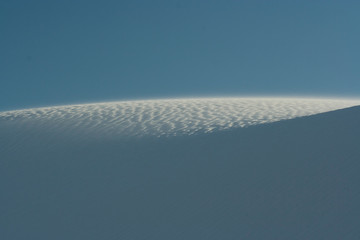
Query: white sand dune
{"points": [[170, 117], [293, 179]]}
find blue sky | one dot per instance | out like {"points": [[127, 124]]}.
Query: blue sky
{"points": [[60, 52]]}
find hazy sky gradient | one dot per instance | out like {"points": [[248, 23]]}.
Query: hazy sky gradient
{"points": [[58, 52]]}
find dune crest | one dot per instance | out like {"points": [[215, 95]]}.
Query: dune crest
{"points": [[169, 117]]}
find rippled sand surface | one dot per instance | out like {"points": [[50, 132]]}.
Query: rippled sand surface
{"points": [[169, 117]]}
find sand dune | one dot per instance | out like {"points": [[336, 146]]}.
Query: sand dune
{"points": [[293, 179]]}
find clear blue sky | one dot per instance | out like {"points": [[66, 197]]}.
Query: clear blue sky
{"points": [[59, 52]]}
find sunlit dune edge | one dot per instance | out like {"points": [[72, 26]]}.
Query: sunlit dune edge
{"points": [[170, 117]]}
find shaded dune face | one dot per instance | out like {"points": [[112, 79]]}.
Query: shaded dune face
{"points": [[168, 117], [296, 179]]}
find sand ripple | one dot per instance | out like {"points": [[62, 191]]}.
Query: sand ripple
{"points": [[170, 117]]}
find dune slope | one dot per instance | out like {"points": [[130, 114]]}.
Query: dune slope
{"points": [[292, 179]]}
